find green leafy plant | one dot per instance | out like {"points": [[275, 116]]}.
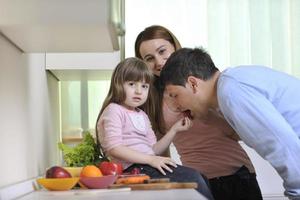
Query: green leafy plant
{"points": [[85, 153]]}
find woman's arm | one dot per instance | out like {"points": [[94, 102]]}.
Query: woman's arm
{"points": [[125, 153]]}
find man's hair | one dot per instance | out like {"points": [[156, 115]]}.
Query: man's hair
{"points": [[187, 62]]}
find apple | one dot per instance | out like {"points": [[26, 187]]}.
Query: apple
{"points": [[57, 172], [135, 171], [111, 168]]}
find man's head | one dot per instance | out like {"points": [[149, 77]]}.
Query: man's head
{"points": [[188, 78], [187, 62]]}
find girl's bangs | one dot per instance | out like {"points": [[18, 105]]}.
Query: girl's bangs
{"points": [[139, 74]]}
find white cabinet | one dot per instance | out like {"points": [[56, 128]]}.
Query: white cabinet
{"points": [[80, 38], [81, 66], [62, 25]]}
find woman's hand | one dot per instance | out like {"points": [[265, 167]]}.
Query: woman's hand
{"points": [[182, 125], [162, 163]]}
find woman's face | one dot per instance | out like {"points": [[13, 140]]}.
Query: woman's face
{"points": [[155, 53]]}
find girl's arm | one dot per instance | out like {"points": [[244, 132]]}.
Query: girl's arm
{"points": [[181, 125], [124, 153]]}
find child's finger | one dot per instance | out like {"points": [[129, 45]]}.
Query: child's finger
{"points": [[191, 123], [172, 163], [183, 122], [188, 121], [168, 168], [162, 171]]}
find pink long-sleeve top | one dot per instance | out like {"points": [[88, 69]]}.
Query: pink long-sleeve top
{"points": [[121, 126], [206, 147]]}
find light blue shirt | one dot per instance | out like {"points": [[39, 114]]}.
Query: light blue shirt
{"points": [[263, 106]]}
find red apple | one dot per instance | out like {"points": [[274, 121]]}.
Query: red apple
{"points": [[111, 168], [57, 172], [135, 171]]}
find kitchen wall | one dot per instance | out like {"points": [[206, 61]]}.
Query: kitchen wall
{"points": [[29, 115]]}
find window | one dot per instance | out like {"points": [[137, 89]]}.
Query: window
{"points": [[247, 32], [186, 19], [233, 32], [81, 102]]}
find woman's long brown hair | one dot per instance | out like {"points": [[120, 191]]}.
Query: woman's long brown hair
{"points": [[150, 33]]}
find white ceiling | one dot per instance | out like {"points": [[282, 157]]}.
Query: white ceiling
{"points": [[60, 25]]}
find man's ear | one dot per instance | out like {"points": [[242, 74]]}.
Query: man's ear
{"points": [[192, 81]]}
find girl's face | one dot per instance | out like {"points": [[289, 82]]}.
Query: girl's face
{"points": [[136, 93], [155, 53]]}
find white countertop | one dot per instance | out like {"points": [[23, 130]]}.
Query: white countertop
{"points": [[115, 194]]}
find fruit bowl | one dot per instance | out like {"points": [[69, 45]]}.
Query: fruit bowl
{"points": [[74, 171], [98, 182], [58, 184]]}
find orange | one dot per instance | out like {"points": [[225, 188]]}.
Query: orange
{"points": [[90, 171]]}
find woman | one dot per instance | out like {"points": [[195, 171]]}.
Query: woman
{"points": [[209, 146]]}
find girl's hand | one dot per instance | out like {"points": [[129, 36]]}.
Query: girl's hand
{"points": [[182, 124], [161, 163]]}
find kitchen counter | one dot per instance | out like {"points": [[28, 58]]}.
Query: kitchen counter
{"points": [[115, 194]]}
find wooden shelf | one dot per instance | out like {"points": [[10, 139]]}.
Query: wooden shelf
{"points": [[70, 139], [73, 139]]}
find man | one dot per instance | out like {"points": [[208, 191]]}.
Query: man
{"points": [[261, 104]]}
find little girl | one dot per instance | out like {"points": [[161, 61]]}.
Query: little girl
{"points": [[124, 130]]}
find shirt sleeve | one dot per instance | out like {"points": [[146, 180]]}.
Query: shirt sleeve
{"points": [[111, 122], [262, 127]]}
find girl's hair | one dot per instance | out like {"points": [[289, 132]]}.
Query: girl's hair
{"points": [[150, 33], [130, 69]]}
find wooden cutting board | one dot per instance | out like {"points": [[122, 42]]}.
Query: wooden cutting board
{"points": [[156, 186]]}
